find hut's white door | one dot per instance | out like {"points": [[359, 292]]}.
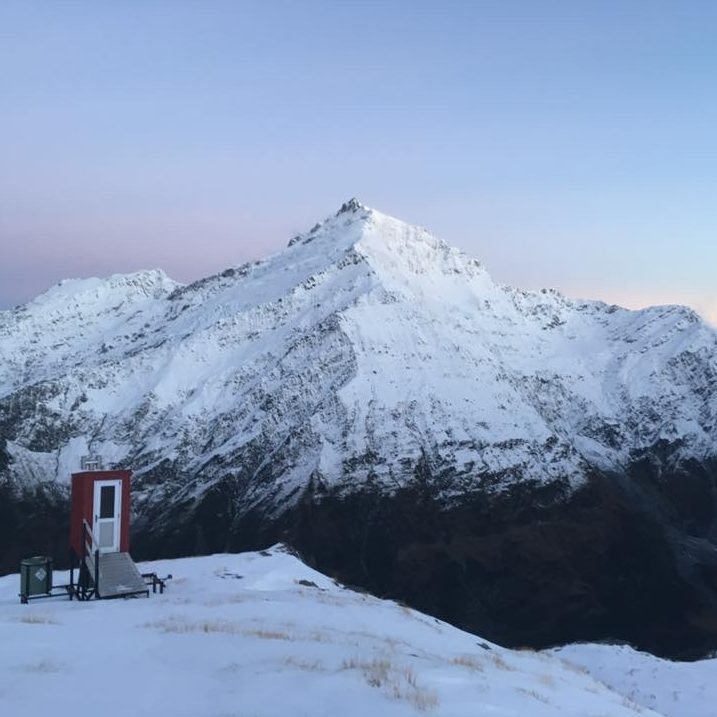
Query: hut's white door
{"points": [[107, 508]]}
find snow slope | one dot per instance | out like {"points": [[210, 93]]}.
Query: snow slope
{"points": [[365, 347], [675, 689], [261, 634]]}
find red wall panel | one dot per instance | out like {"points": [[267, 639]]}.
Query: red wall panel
{"points": [[82, 504]]}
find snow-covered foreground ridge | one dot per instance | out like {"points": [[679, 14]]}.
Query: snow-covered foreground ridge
{"points": [[364, 348], [262, 635]]}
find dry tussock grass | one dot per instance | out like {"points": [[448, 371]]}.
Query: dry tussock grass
{"points": [[405, 609], [472, 663], [627, 702], [318, 636], [534, 694], [573, 667], [376, 672], [182, 626], [305, 665], [35, 618], [397, 683], [499, 662], [269, 635]]}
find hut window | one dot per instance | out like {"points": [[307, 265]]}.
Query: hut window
{"points": [[107, 501]]}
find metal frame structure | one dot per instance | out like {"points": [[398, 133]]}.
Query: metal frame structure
{"points": [[88, 583]]}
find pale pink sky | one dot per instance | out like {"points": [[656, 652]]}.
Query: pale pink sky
{"points": [[568, 145], [191, 246]]}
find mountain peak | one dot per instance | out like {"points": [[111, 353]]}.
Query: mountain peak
{"points": [[353, 205]]}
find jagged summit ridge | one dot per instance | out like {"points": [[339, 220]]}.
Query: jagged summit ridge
{"points": [[350, 212], [353, 205], [397, 253]]}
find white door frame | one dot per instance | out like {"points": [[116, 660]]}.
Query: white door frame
{"points": [[115, 518]]}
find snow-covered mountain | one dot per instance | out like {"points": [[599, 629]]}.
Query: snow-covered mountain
{"points": [[368, 357], [364, 346], [262, 634]]}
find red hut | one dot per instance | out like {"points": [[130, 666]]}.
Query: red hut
{"points": [[100, 499], [99, 535]]}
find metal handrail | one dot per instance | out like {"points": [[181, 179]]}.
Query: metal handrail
{"points": [[92, 552], [90, 548]]}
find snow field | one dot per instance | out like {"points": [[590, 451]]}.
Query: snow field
{"points": [[676, 689], [263, 635]]}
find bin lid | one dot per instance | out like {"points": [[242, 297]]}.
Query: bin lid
{"points": [[36, 560]]}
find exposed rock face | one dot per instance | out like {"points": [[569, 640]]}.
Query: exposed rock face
{"points": [[530, 466]]}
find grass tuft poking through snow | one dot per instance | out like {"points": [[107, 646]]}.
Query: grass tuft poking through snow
{"points": [[500, 662], [306, 665], [535, 695], [469, 661], [37, 619], [397, 682]]}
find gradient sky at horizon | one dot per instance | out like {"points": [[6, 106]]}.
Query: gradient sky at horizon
{"points": [[564, 144]]}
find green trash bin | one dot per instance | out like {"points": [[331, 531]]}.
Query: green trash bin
{"points": [[35, 577]]}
